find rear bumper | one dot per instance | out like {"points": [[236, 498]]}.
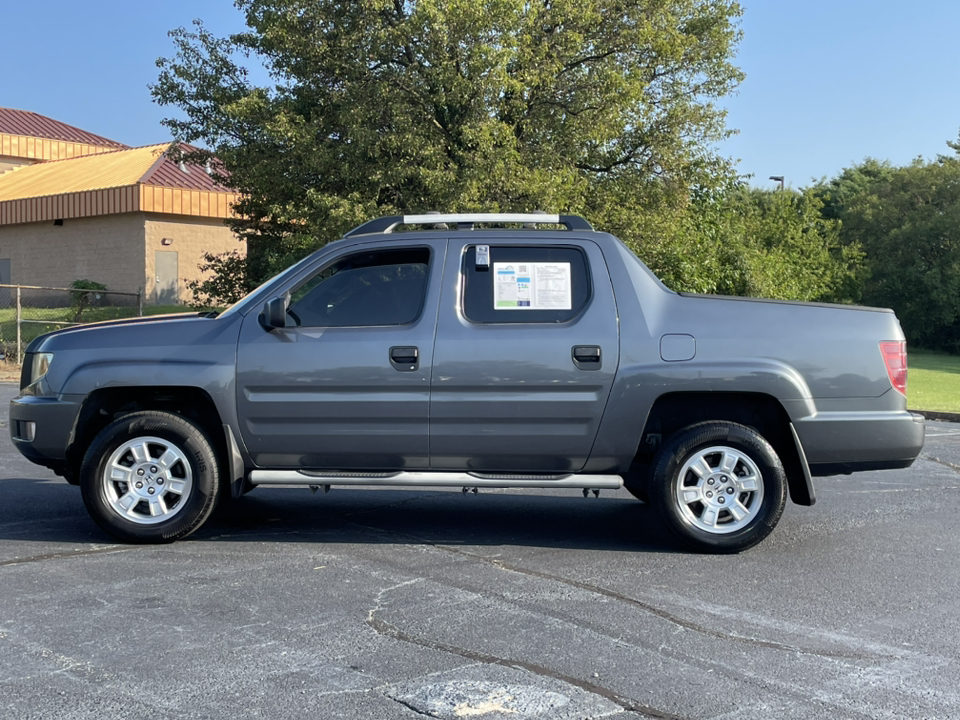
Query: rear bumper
{"points": [[844, 442], [41, 428]]}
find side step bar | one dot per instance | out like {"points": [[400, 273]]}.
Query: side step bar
{"points": [[435, 479]]}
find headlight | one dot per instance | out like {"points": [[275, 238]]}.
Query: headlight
{"points": [[40, 366]]}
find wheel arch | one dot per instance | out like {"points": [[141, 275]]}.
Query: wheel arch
{"points": [[104, 405], [672, 412]]}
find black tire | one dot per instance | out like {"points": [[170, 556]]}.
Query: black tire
{"points": [[150, 452], [735, 487]]}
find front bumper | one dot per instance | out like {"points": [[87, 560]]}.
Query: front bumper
{"points": [[41, 428], [844, 442]]}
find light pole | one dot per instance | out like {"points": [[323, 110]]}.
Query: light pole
{"points": [[779, 179]]}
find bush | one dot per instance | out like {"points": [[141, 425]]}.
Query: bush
{"points": [[81, 296]]}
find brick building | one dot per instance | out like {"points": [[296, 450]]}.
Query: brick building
{"points": [[74, 205]]}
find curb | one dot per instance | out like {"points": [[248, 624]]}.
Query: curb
{"points": [[942, 416]]}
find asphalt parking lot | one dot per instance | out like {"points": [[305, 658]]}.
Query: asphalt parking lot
{"points": [[404, 603]]}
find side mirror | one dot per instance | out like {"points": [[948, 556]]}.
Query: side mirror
{"points": [[274, 314]]}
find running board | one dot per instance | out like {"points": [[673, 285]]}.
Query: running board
{"points": [[435, 479]]}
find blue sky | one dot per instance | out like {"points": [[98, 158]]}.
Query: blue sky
{"points": [[829, 82]]}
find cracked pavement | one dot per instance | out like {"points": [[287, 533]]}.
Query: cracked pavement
{"points": [[394, 604]]}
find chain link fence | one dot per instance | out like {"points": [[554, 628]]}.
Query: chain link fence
{"points": [[27, 311]]}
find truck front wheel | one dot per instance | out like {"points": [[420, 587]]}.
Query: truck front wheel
{"points": [[720, 486], [150, 477]]}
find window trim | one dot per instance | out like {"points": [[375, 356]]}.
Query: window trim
{"points": [[577, 312]]}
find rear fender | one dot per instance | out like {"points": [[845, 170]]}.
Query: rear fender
{"points": [[639, 386]]}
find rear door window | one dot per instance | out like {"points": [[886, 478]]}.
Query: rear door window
{"points": [[517, 284]]}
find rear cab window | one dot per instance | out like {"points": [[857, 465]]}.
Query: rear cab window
{"points": [[524, 284]]}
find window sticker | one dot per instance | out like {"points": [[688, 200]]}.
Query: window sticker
{"points": [[532, 286]]}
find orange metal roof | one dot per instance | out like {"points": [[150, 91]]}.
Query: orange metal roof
{"points": [[31, 124], [145, 165], [90, 172], [31, 148], [134, 180]]}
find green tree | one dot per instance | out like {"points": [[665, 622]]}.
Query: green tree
{"points": [[836, 194], [908, 222], [760, 243], [600, 107]]}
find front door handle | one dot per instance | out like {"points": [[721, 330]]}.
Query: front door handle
{"points": [[587, 357], [405, 359]]}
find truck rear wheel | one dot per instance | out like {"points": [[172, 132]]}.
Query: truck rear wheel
{"points": [[150, 477], [720, 486]]}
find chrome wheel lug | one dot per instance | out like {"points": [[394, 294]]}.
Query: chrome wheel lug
{"points": [[140, 472], [711, 481], [729, 490], [709, 494], [724, 478], [720, 500], [152, 491], [139, 485], [160, 481], [153, 469]]}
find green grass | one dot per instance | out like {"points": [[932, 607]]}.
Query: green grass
{"points": [[933, 382]]}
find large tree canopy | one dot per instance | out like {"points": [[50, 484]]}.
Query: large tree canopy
{"points": [[604, 108], [907, 220], [601, 107]]}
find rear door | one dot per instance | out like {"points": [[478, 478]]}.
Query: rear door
{"points": [[526, 352], [346, 384]]}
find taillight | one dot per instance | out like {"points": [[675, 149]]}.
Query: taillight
{"points": [[895, 358]]}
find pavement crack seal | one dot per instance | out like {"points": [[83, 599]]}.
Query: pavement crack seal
{"points": [[652, 609], [669, 617], [67, 554], [385, 629], [412, 708], [945, 463]]}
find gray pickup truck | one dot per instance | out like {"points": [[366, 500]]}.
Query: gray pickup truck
{"points": [[473, 351]]}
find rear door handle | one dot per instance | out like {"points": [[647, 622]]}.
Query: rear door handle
{"points": [[405, 359], [587, 357]]}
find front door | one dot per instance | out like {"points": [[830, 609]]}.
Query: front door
{"points": [[346, 384]]}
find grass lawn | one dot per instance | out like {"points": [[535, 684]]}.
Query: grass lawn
{"points": [[933, 382]]}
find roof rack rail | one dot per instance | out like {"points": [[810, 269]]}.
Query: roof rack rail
{"points": [[466, 221]]}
